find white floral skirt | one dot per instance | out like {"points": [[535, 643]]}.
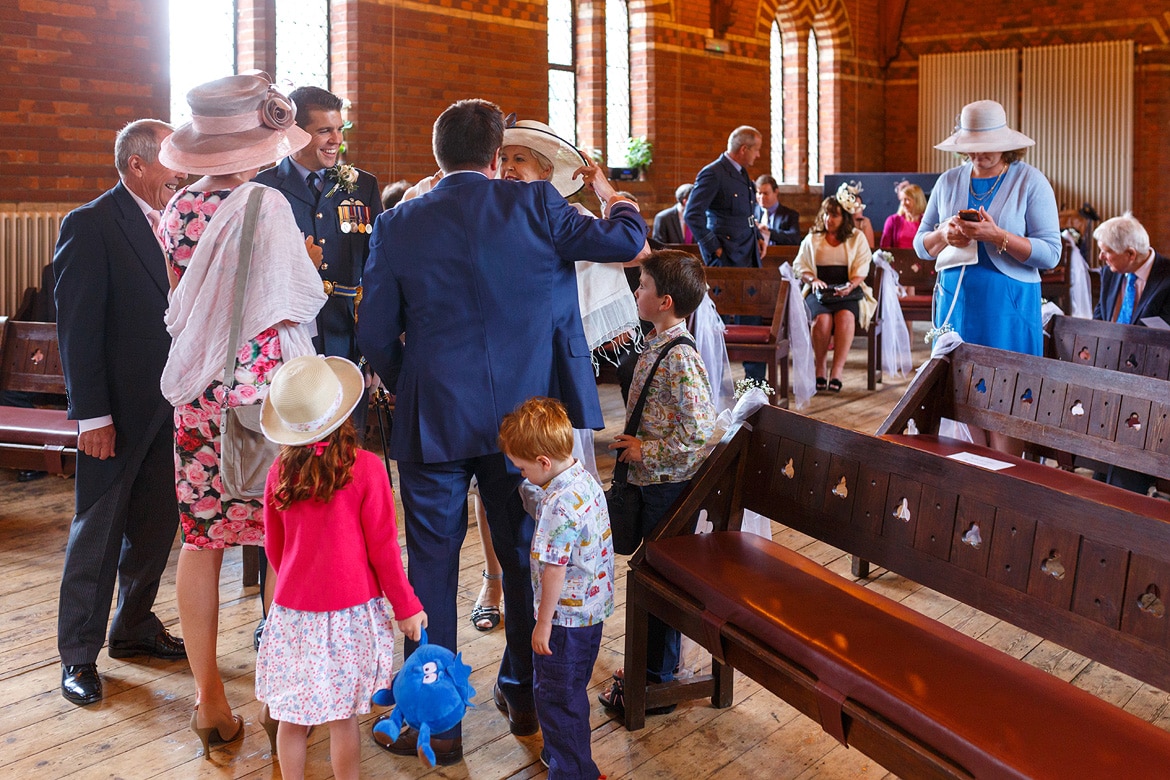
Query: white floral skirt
{"points": [[315, 667]]}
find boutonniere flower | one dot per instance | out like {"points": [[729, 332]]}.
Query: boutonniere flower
{"points": [[344, 176]]}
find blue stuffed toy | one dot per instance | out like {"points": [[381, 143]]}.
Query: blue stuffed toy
{"points": [[432, 692]]}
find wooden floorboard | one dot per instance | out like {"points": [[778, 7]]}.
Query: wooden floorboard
{"points": [[141, 729]]}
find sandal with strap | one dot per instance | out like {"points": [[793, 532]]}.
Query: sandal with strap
{"points": [[615, 699], [485, 618], [822, 383]]}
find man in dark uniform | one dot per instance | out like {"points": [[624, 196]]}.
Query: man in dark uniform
{"points": [[335, 204]]}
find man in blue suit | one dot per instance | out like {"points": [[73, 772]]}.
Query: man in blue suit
{"points": [[721, 209], [111, 294], [338, 214], [471, 308]]}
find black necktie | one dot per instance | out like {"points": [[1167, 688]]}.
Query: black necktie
{"points": [[314, 182]]}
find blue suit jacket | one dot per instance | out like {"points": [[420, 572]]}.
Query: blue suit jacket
{"points": [[478, 276], [111, 294], [1155, 300], [344, 253], [721, 212]]}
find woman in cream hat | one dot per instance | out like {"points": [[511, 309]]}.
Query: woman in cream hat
{"points": [[992, 222], [239, 124]]}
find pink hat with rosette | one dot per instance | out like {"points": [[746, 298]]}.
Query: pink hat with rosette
{"points": [[237, 123]]}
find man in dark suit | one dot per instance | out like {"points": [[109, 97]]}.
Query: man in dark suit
{"points": [[338, 214], [1135, 285], [489, 320], [779, 225], [721, 209], [111, 294], [1124, 247], [669, 227]]}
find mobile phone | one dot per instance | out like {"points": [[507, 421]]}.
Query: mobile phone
{"points": [[970, 215]]}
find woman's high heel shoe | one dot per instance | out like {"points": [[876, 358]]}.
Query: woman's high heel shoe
{"points": [[270, 725], [210, 735]]}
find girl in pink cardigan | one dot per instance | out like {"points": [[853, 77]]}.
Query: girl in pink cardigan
{"points": [[331, 537]]}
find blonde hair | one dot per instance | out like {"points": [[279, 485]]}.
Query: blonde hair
{"points": [[539, 426], [917, 197]]}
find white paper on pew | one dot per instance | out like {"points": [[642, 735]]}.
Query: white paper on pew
{"points": [[1155, 322], [991, 464]]}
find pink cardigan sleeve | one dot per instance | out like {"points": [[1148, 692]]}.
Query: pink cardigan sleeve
{"points": [[380, 528]]}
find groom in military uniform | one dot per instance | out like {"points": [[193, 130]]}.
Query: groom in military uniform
{"points": [[335, 204]]}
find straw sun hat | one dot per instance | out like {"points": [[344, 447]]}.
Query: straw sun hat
{"points": [[237, 123], [564, 156], [982, 127], [310, 397]]}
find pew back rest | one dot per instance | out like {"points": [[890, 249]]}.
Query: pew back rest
{"points": [[31, 361], [1130, 349], [914, 273], [989, 539], [750, 291]]}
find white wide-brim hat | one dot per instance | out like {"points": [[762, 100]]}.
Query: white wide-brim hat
{"points": [[310, 397], [563, 155], [237, 123], [982, 127]]}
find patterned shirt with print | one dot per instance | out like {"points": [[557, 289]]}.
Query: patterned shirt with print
{"points": [[679, 416], [572, 530]]}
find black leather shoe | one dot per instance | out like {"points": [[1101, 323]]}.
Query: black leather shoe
{"points": [[162, 645], [28, 475], [447, 751], [80, 684], [522, 723]]}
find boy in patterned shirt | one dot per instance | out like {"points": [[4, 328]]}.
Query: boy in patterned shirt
{"points": [[676, 423], [572, 578]]}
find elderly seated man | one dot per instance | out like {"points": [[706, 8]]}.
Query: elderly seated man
{"points": [[1135, 288]]}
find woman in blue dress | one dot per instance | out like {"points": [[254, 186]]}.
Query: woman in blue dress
{"points": [[1017, 234], [1007, 232]]}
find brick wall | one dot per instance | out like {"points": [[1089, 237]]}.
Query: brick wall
{"points": [[74, 72], [71, 75]]}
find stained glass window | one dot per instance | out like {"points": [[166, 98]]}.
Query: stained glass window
{"points": [[776, 90], [617, 80], [302, 43], [562, 75]]}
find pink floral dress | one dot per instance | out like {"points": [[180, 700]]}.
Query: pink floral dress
{"points": [[208, 519]]}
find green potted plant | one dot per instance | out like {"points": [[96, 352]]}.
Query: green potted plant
{"points": [[639, 153]]}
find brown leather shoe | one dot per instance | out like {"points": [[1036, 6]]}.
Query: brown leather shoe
{"points": [[522, 723], [447, 751], [162, 645]]}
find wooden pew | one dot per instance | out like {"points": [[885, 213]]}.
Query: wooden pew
{"points": [[1086, 569], [46, 439], [917, 276], [1103, 415], [1056, 283], [1130, 349], [31, 438], [760, 292]]}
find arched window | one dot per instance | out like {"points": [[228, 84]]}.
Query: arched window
{"points": [[209, 28], [814, 110], [617, 80], [302, 43], [562, 72], [776, 91]]}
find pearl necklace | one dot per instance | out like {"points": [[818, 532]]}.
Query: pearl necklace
{"points": [[990, 192]]}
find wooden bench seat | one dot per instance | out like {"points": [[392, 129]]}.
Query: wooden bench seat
{"points": [[31, 438], [866, 653], [916, 276], [1087, 569]]}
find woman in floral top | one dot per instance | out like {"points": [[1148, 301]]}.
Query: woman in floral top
{"points": [[239, 124]]}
